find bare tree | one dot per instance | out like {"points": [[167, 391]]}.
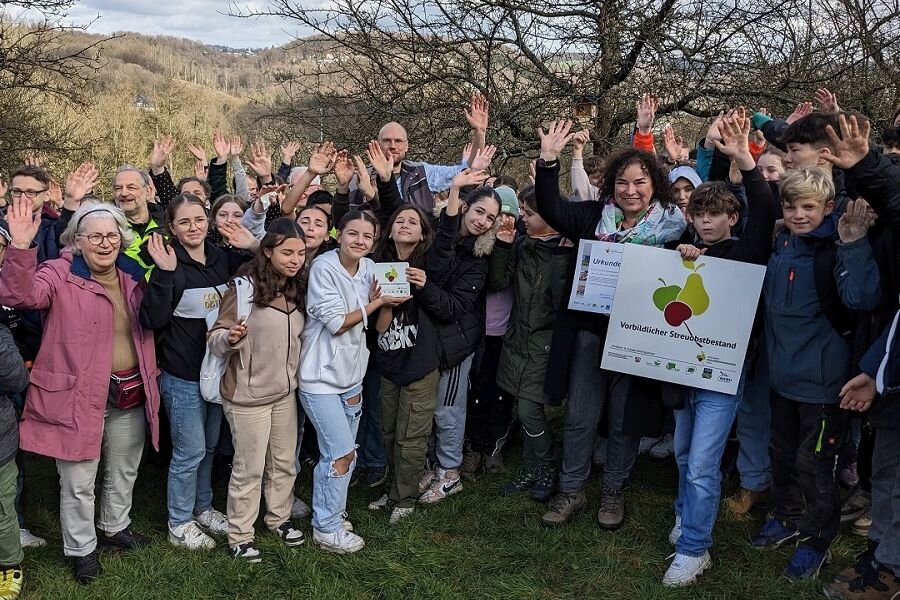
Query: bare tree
{"points": [[417, 61]]}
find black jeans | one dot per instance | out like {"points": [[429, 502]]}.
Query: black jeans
{"points": [[805, 442], [490, 411]]}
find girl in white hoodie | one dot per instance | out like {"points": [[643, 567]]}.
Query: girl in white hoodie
{"points": [[333, 357]]}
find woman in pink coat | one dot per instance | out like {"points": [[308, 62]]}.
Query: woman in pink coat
{"points": [[93, 386]]}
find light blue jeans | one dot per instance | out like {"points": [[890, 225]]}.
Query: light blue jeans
{"points": [[701, 430], [754, 429], [336, 422], [195, 425]]}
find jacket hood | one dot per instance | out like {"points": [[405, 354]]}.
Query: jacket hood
{"points": [[484, 243], [331, 261]]}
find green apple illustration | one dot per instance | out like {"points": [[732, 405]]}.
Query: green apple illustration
{"points": [[665, 294]]}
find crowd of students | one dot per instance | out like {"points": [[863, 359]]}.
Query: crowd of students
{"points": [[228, 318]]}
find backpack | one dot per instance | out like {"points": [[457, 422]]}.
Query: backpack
{"points": [[213, 366]]}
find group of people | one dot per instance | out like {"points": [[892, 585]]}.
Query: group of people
{"points": [[239, 317]]}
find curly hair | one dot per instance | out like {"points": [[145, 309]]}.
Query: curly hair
{"points": [[621, 160], [260, 270]]}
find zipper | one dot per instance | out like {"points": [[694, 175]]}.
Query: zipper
{"points": [[789, 295], [287, 371]]}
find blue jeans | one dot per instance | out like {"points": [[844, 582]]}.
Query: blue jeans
{"points": [[336, 422], [369, 438], [701, 430], [196, 425], [754, 429]]}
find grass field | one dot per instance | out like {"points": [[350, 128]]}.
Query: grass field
{"points": [[475, 544]]}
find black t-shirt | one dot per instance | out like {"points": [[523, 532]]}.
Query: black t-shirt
{"points": [[406, 352]]}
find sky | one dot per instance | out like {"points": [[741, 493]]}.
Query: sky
{"points": [[199, 20]]}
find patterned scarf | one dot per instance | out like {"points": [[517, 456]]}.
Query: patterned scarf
{"points": [[655, 226]]}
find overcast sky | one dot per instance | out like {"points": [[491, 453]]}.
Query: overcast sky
{"points": [[199, 20]]}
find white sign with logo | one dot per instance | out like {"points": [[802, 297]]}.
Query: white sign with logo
{"points": [[595, 276], [680, 321]]}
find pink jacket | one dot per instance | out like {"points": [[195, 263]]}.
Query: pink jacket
{"points": [[66, 402]]}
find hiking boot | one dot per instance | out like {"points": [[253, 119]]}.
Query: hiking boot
{"points": [[446, 483], [522, 484], [87, 568], [427, 479], [773, 534], [676, 531], [807, 562], [290, 535], [685, 570], [744, 500], [300, 509], [376, 476], [646, 444], [848, 476], [563, 507], [470, 464], [190, 536], [11, 581], [544, 485], [855, 506], [213, 521], [664, 448], [29, 540], [247, 552], [862, 525], [400, 513], [339, 542], [612, 509], [493, 464], [123, 541]]}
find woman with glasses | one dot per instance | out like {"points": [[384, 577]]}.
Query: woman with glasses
{"points": [[189, 280], [93, 385]]}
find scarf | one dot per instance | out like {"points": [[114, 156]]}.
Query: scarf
{"points": [[655, 226]]}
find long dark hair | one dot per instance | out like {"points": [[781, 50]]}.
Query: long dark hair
{"points": [[387, 249], [617, 163], [265, 279]]}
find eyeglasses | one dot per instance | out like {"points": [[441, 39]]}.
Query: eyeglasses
{"points": [[199, 223], [97, 239], [30, 194]]}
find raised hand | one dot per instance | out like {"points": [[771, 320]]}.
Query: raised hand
{"points": [[79, 182], [55, 196], [363, 180], [200, 169], [343, 170], [162, 254], [483, 158], [853, 144], [23, 225], [289, 151], [478, 112], [198, 152], [855, 222], [827, 101], [555, 139], [221, 145], [467, 152], [802, 109], [238, 236], [580, 140], [713, 133], [506, 231], [735, 132], [646, 108], [261, 161], [672, 144], [163, 147], [382, 163], [322, 159], [467, 177], [235, 146]]}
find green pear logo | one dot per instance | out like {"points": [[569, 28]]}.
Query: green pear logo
{"points": [[391, 275], [680, 303]]}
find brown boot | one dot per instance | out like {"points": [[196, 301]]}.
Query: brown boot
{"points": [[470, 464], [563, 507], [741, 503], [612, 509]]}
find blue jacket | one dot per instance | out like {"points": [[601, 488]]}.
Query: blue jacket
{"points": [[809, 361], [885, 412]]}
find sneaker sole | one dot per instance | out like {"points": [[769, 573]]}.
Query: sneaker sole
{"points": [[334, 550], [249, 561], [691, 581], [178, 544], [294, 544], [778, 544]]}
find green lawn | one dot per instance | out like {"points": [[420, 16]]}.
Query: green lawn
{"points": [[473, 545]]}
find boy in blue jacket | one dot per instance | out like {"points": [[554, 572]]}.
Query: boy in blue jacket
{"points": [[820, 267]]}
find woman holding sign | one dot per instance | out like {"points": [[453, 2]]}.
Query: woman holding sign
{"points": [[636, 209]]}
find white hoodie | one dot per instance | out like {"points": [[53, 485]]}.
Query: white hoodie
{"points": [[332, 363]]}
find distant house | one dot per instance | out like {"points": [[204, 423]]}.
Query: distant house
{"points": [[143, 103]]}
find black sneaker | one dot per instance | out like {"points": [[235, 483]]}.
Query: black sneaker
{"points": [[290, 535], [247, 552], [358, 473], [376, 476], [522, 484], [123, 541], [544, 485], [86, 568]]}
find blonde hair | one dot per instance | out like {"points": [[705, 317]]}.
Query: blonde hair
{"points": [[96, 210], [806, 183]]}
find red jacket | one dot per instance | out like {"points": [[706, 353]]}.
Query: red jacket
{"points": [[66, 402]]}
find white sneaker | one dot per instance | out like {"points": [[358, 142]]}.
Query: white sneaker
{"points": [[29, 540], [400, 513], [379, 504], [685, 570], [300, 509], [426, 481], [676, 531], [446, 483], [339, 542], [646, 444], [213, 521], [345, 521], [189, 535], [664, 448]]}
